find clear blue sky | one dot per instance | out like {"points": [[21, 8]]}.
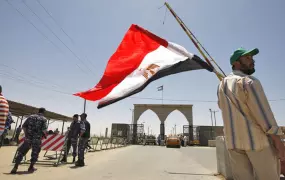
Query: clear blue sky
{"points": [[97, 29]]}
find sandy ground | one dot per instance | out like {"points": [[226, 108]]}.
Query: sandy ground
{"points": [[126, 163]]}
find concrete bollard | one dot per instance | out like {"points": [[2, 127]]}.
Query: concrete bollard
{"points": [[223, 163]]}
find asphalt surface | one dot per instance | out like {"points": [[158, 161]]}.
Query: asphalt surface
{"points": [[130, 163]]}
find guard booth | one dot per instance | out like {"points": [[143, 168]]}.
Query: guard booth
{"points": [[136, 133], [200, 135], [120, 130], [22, 111], [133, 133], [206, 133], [188, 132]]}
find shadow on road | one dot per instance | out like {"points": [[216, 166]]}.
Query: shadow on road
{"points": [[191, 174], [19, 173], [75, 167], [195, 174]]}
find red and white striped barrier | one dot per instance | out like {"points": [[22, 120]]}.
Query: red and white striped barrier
{"points": [[53, 142]]}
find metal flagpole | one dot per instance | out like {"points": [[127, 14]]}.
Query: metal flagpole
{"points": [[162, 94], [84, 106], [160, 88], [196, 43]]}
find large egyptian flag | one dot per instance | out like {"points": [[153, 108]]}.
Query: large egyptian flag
{"points": [[141, 58]]}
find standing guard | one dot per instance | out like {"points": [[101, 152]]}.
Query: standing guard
{"points": [[77, 128], [83, 140]]}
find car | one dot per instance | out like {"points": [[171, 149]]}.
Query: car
{"points": [[173, 141], [195, 142], [150, 140]]}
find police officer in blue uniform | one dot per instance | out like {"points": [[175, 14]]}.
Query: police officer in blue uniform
{"points": [[83, 140], [77, 128], [8, 124], [35, 128]]}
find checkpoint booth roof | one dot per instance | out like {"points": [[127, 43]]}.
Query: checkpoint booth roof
{"points": [[19, 109]]}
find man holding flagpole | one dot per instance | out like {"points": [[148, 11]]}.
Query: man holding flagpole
{"points": [[252, 134]]}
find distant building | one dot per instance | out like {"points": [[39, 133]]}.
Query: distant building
{"points": [[132, 132], [120, 130], [205, 133]]}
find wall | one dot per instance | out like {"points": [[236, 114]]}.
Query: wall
{"points": [[206, 133], [223, 163]]}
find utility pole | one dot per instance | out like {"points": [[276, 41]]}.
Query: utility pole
{"points": [[215, 117], [175, 128], [106, 133], [212, 123]]}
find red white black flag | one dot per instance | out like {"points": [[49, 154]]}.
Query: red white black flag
{"points": [[141, 58]]}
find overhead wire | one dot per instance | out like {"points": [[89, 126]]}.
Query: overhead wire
{"points": [[73, 42], [54, 20], [73, 53], [39, 30], [66, 93], [189, 100], [32, 24], [9, 76], [31, 76]]}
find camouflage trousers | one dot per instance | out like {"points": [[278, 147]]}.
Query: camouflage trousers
{"points": [[71, 142], [81, 148], [35, 144], [2, 137]]}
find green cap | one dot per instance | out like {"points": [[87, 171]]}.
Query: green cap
{"points": [[241, 52]]}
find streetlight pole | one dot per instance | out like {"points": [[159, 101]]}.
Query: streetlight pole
{"points": [[132, 115]]}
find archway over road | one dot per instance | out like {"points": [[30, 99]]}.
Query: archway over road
{"points": [[162, 111]]}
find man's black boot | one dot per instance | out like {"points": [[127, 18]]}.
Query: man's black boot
{"points": [[63, 159], [32, 168], [14, 170]]}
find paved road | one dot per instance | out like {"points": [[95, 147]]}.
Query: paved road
{"points": [[132, 163]]}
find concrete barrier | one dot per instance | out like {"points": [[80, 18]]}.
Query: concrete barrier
{"points": [[223, 163], [212, 143]]}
